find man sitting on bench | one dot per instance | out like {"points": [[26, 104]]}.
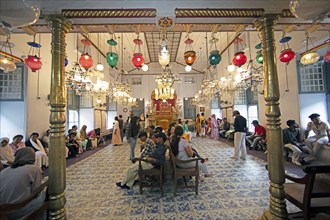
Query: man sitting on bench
{"points": [[292, 140]]}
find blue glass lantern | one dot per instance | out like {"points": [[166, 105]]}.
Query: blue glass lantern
{"points": [[214, 57]]}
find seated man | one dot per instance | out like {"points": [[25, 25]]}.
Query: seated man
{"points": [[147, 145], [321, 131], [224, 127], [156, 159], [292, 140], [259, 134]]}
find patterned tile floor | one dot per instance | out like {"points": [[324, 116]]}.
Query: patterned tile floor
{"points": [[238, 189]]}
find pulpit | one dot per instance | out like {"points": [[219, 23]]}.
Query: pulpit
{"points": [[164, 111]]}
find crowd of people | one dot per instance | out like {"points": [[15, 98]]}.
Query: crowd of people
{"points": [[27, 158]]}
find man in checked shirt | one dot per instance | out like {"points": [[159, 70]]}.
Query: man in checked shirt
{"points": [[148, 145]]}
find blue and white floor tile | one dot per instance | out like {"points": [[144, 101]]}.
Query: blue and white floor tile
{"points": [[238, 189]]}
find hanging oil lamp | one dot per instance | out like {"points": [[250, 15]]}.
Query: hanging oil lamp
{"points": [[189, 54], [137, 59], [239, 57], [287, 53], [33, 60], [214, 57], [86, 59], [112, 57]]}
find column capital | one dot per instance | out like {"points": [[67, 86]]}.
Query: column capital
{"points": [[265, 20], [58, 21]]}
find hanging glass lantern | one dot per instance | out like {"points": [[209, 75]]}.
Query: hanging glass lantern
{"points": [[327, 57], [138, 60], [189, 54], [7, 63], [66, 61], [310, 58], [86, 59], [33, 61], [214, 57], [239, 59], [259, 57], [112, 57], [287, 55], [189, 57]]}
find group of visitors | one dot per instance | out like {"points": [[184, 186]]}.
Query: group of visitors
{"points": [[8, 150], [305, 148]]}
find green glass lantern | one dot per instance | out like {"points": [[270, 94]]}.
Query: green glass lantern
{"points": [[112, 59], [259, 58], [214, 57]]}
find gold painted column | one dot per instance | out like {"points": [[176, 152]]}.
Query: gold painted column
{"points": [[57, 164], [277, 207]]}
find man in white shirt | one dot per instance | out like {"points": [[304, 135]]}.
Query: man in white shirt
{"points": [[321, 131]]}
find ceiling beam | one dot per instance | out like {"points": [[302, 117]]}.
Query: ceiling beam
{"points": [[312, 28], [84, 29], [30, 30], [240, 28], [215, 28], [289, 28], [111, 29]]}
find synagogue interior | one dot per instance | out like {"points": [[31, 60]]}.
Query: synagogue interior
{"points": [[79, 65]]}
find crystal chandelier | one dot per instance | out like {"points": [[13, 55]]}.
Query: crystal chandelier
{"points": [[78, 80], [165, 82]]}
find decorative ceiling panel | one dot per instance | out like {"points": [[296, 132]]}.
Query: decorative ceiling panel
{"points": [[153, 44]]}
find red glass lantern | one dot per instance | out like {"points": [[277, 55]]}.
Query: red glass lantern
{"points": [[239, 59], [287, 55], [327, 57], [86, 61], [33, 62], [138, 60]]}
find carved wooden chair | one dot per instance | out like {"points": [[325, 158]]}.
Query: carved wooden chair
{"points": [[6, 209], [157, 173], [310, 194], [184, 172]]}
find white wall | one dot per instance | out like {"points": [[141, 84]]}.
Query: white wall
{"points": [[309, 104], [12, 119], [86, 119]]}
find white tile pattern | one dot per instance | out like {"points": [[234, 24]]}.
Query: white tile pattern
{"points": [[238, 189]]}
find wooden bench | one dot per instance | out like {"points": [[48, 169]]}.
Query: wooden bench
{"points": [[309, 193], [184, 172], [6, 209]]}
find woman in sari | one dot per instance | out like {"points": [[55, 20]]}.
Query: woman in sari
{"points": [[116, 138], [214, 127], [198, 125]]}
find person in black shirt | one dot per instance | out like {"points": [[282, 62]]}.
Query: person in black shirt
{"points": [[239, 135], [132, 131]]}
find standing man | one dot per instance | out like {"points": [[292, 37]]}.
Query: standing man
{"points": [[321, 131], [132, 131], [259, 134], [121, 127], [239, 135]]}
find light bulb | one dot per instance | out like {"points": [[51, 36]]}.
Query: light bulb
{"points": [[99, 67], [231, 68], [145, 68], [188, 68], [98, 100]]}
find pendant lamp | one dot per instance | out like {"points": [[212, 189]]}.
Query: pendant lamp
{"points": [[7, 64], [239, 57], [86, 59], [287, 53], [138, 60], [309, 57], [189, 54], [327, 57], [214, 57], [33, 60], [259, 57], [112, 56]]}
